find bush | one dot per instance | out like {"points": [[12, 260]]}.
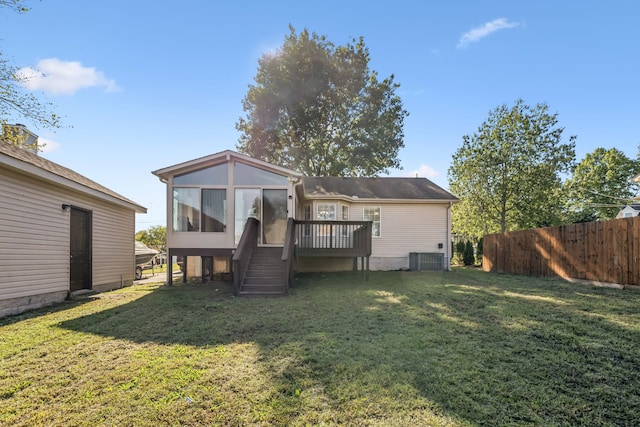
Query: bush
{"points": [[479, 251], [458, 253], [468, 258]]}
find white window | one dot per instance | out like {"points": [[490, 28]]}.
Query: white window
{"points": [[345, 213], [326, 212], [373, 214], [345, 217]]}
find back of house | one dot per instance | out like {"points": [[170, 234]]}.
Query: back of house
{"points": [[211, 199]]}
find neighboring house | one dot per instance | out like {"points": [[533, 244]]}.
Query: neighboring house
{"points": [[629, 211], [301, 223], [59, 232]]}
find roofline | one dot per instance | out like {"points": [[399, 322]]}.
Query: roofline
{"points": [[452, 199], [31, 169], [378, 200], [173, 170]]}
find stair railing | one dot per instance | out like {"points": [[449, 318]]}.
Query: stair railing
{"points": [[244, 250], [288, 251]]}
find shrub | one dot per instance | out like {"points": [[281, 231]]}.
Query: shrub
{"points": [[468, 257], [458, 253]]}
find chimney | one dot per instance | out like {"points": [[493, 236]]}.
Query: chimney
{"points": [[20, 136]]}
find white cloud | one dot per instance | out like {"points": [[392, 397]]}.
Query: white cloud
{"points": [[476, 34], [424, 171], [58, 77], [47, 145]]}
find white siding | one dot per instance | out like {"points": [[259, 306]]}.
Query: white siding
{"points": [[405, 228], [627, 212], [34, 238]]}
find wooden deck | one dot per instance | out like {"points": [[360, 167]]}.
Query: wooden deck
{"points": [[252, 275], [333, 238]]}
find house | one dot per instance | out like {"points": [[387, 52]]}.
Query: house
{"points": [[408, 215], [59, 233], [228, 212], [629, 211]]}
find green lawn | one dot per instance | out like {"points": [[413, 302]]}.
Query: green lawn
{"points": [[445, 348]]}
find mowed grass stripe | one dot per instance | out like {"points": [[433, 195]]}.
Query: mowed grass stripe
{"points": [[440, 348]]}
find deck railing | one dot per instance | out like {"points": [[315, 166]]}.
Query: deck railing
{"points": [[288, 251], [333, 238]]}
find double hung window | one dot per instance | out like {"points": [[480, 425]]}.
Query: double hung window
{"points": [[373, 214]]}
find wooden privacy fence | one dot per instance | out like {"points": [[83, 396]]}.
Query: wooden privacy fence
{"points": [[603, 251]]}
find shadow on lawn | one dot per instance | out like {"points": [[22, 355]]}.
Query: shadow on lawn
{"points": [[480, 348], [59, 307]]}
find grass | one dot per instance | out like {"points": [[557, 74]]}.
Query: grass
{"points": [[457, 348], [159, 269]]}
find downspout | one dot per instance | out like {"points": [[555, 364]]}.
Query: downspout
{"points": [[448, 238]]}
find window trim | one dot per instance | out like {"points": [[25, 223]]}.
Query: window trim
{"points": [[335, 211], [364, 218], [344, 229]]}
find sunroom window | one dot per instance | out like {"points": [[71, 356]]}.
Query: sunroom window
{"points": [[214, 175], [196, 209], [186, 209], [214, 210]]}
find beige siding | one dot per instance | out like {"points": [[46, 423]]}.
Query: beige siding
{"points": [[405, 228], [34, 238], [113, 245]]}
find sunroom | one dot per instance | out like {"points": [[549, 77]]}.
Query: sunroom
{"points": [[211, 199]]}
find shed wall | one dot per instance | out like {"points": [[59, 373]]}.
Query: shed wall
{"points": [[34, 241]]}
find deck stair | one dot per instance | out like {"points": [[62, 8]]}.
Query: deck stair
{"points": [[265, 274]]}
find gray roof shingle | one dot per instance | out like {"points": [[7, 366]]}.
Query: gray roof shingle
{"points": [[375, 188], [61, 171]]}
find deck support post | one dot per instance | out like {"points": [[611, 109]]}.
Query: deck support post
{"points": [[169, 269]]}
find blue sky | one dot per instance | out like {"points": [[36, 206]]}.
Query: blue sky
{"points": [[144, 85]]}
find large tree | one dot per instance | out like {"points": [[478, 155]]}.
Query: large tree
{"points": [[318, 109], [15, 100], [600, 185], [508, 174], [155, 237]]}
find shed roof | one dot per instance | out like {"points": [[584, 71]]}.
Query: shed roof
{"points": [[375, 188], [36, 165]]}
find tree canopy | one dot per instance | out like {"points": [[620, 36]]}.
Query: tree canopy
{"points": [[508, 174], [319, 109], [15, 5], [600, 185], [155, 237], [14, 98]]}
